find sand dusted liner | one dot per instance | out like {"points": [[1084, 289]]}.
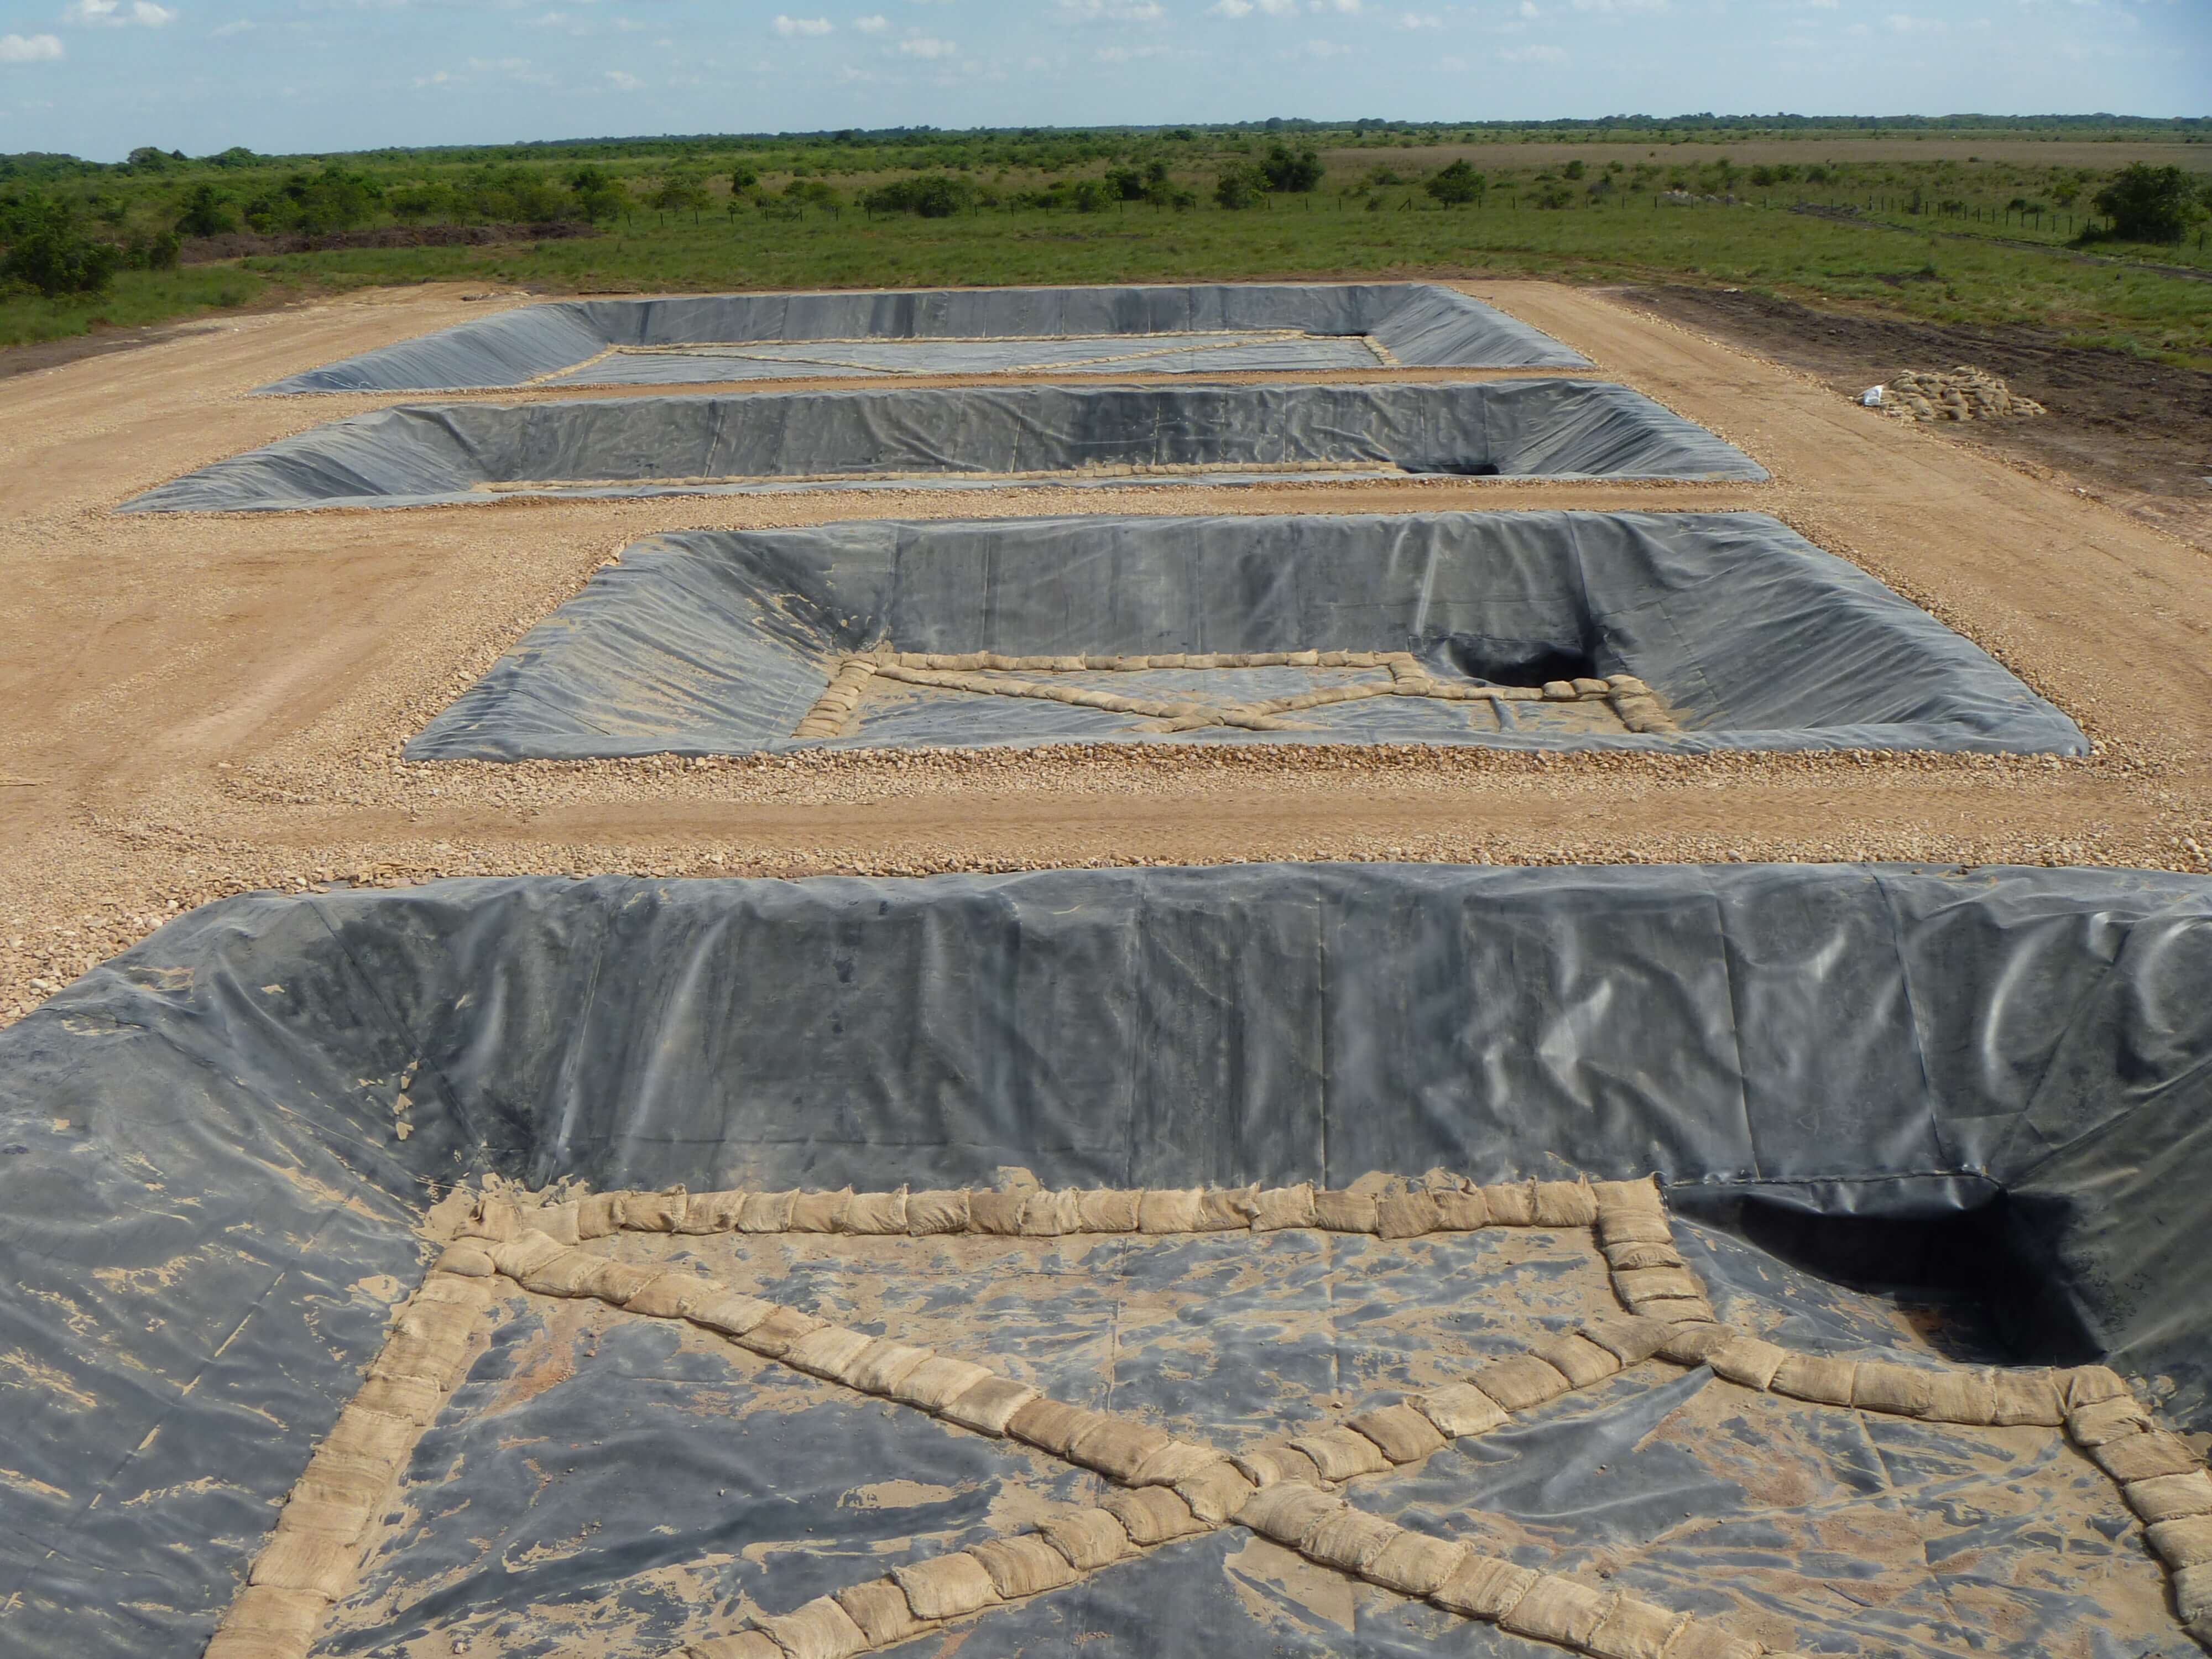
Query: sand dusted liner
{"points": [[1182, 329], [1693, 631], [1142, 1146], [961, 437]]}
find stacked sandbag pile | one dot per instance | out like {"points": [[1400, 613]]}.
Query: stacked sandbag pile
{"points": [[1966, 393]]}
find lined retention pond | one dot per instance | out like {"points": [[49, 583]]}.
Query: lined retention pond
{"points": [[221, 1147], [963, 437], [1554, 629], [1206, 328]]}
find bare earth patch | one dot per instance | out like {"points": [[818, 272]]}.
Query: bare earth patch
{"points": [[2136, 432]]}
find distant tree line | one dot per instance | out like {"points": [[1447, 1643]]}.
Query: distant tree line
{"points": [[68, 226]]}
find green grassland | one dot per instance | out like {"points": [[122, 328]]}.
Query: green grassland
{"points": [[1953, 224]]}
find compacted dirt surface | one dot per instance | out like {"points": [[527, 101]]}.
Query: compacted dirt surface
{"points": [[2137, 433], [201, 705]]}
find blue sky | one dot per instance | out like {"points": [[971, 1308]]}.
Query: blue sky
{"points": [[96, 77]]}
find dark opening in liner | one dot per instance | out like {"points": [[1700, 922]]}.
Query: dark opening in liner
{"points": [[1170, 329], [1747, 635], [960, 437], [207, 1214]]}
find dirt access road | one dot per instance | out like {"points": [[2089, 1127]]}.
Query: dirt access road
{"points": [[202, 705]]}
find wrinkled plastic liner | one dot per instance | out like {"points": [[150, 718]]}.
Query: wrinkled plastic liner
{"points": [[208, 1213], [963, 437], [1203, 328], [1750, 637]]}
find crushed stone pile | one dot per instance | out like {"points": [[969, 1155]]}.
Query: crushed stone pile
{"points": [[1966, 393]]}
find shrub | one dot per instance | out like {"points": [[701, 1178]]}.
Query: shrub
{"points": [[1457, 184], [2150, 204], [1574, 169], [596, 194], [1240, 187], [1294, 174], [316, 202], [416, 203], [531, 198], [798, 196], [49, 250], [679, 193], [929, 195], [205, 214], [1161, 191]]}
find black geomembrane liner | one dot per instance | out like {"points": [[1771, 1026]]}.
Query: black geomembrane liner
{"points": [[426, 454], [203, 1189], [720, 641], [1417, 324]]}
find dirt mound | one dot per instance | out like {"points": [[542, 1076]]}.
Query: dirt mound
{"points": [[241, 244], [1966, 393]]}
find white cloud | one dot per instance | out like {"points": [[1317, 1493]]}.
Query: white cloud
{"points": [[1620, 5], [789, 26], [1420, 20], [926, 46], [624, 81], [1349, 8], [1126, 54], [1230, 8], [1321, 49], [236, 26], [29, 48], [521, 71], [875, 25], [1113, 11], [1901, 23], [110, 14], [1534, 55], [437, 78]]}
